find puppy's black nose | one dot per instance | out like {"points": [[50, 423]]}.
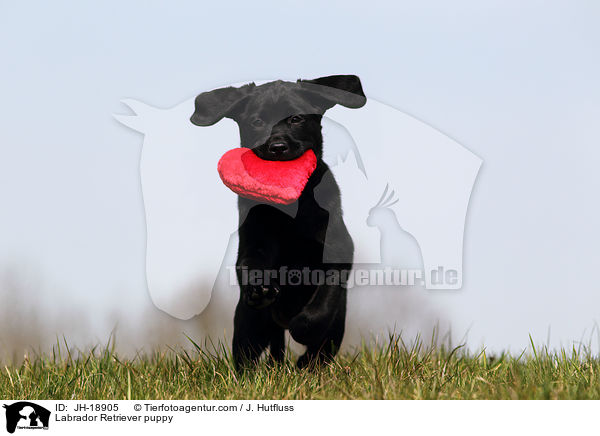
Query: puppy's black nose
{"points": [[278, 147]]}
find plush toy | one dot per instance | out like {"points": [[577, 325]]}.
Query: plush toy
{"points": [[280, 182]]}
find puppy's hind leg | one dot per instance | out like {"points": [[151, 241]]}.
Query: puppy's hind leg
{"points": [[250, 335], [277, 344]]}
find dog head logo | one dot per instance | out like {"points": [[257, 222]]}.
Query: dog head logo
{"points": [[426, 179], [26, 415]]}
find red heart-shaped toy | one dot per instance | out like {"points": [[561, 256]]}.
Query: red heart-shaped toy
{"points": [[280, 182]]}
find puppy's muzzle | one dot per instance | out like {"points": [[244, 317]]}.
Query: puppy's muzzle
{"points": [[278, 148]]}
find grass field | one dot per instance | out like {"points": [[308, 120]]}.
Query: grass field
{"points": [[394, 371]]}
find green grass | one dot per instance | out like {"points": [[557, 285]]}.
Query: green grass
{"points": [[395, 371]]}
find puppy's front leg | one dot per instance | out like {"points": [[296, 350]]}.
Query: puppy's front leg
{"points": [[253, 326], [261, 230], [257, 290], [320, 325], [321, 322]]}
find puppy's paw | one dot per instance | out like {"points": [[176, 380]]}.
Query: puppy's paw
{"points": [[307, 361], [259, 297]]}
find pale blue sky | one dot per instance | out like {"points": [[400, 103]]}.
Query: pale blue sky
{"points": [[515, 82]]}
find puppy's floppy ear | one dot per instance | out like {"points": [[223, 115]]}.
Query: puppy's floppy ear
{"points": [[341, 89], [213, 105]]}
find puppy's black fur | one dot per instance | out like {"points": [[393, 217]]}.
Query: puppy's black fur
{"points": [[280, 121]]}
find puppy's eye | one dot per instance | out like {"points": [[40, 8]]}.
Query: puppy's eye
{"points": [[296, 119], [257, 122]]}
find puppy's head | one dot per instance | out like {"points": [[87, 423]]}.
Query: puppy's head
{"points": [[279, 120]]}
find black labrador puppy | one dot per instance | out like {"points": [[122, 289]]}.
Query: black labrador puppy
{"points": [[285, 282]]}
